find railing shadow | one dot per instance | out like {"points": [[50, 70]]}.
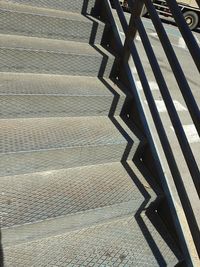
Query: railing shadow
{"points": [[149, 205], [1, 251], [150, 212], [146, 232]]}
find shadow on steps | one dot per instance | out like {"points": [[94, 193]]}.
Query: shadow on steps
{"points": [[1, 252], [147, 217]]}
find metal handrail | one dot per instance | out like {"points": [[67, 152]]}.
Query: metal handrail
{"points": [[174, 63], [185, 31], [187, 190]]}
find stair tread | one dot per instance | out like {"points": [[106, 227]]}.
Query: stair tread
{"points": [[42, 55], [126, 241], [74, 6], [8, 6], [20, 135], [49, 45], [47, 23], [44, 195], [44, 84]]}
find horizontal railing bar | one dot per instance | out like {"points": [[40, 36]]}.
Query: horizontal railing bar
{"points": [[185, 31], [175, 65]]}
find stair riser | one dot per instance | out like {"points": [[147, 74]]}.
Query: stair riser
{"points": [[49, 27], [79, 6], [46, 62], [42, 212], [29, 232], [57, 106], [19, 163], [45, 195]]}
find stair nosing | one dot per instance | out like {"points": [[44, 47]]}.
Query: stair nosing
{"points": [[61, 14], [87, 49], [73, 16]]}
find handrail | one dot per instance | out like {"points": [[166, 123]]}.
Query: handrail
{"points": [[185, 31], [186, 185], [175, 65]]}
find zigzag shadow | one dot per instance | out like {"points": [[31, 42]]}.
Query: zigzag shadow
{"points": [[1, 252]]}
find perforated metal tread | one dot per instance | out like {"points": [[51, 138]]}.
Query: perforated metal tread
{"points": [[35, 95], [29, 145], [78, 6], [39, 22], [42, 55], [38, 196], [122, 242], [55, 133]]}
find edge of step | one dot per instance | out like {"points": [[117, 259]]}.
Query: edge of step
{"points": [[75, 6], [11, 84], [41, 95], [97, 131], [42, 55], [49, 45], [47, 23], [118, 235], [90, 140], [39, 196], [35, 10]]}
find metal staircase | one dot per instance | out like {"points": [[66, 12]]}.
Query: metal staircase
{"points": [[74, 191]]}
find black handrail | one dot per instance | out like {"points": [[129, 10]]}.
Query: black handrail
{"points": [[175, 65], [188, 189], [185, 31]]}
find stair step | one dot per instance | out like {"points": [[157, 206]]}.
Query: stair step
{"points": [[79, 6], [39, 144], [125, 241], [35, 95], [42, 55], [44, 195], [39, 22]]}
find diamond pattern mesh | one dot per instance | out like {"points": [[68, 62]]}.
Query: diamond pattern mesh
{"points": [[39, 196], [34, 147], [41, 134], [119, 243], [75, 5], [24, 60], [82, 30]]}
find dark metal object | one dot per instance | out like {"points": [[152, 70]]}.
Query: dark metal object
{"points": [[185, 31], [175, 65], [188, 192]]}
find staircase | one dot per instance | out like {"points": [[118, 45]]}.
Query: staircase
{"points": [[70, 195]]}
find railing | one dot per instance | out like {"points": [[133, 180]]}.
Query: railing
{"points": [[181, 188]]}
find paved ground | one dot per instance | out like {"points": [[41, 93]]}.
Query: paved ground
{"points": [[189, 69]]}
